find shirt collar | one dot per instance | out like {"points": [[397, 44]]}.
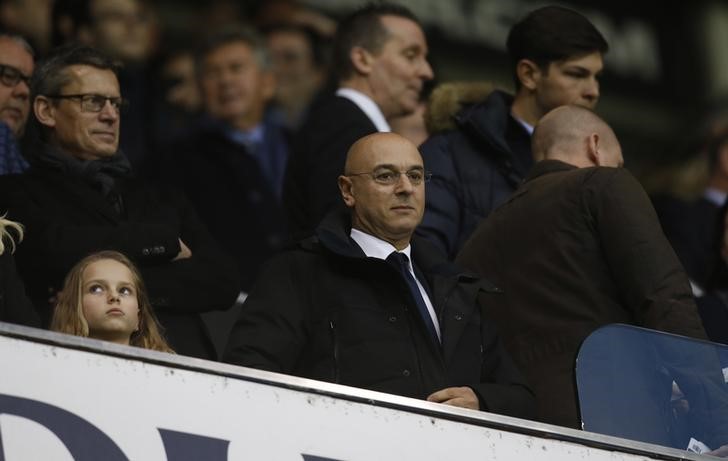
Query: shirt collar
{"points": [[253, 136], [368, 106], [524, 124], [374, 247], [715, 196]]}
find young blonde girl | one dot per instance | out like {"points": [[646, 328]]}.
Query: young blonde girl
{"points": [[68, 315]]}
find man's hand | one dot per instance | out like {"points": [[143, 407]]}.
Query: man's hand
{"points": [[456, 396], [184, 251]]}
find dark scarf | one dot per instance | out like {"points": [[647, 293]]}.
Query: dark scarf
{"points": [[101, 174]]}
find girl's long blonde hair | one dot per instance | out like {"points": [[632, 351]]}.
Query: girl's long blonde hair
{"points": [[68, 314]]}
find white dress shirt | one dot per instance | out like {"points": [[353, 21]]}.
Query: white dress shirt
{"points": [[375, 247], [368, 106]]}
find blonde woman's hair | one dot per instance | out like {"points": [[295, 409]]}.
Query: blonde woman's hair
{"points": [[68, 314], [6, 235]]}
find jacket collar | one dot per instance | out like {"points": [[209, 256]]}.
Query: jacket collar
{"points": [[333, 234], [548, 166], [487, 120]]}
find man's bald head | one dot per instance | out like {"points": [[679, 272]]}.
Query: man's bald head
{"points": [[383, 185], [360, 153], [577, 136]]}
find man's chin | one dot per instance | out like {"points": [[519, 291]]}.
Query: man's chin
{"points": [[107, 151]]}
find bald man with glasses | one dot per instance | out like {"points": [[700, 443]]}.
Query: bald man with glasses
{"points": [[362, 303], [80, 196], [16, 67]]}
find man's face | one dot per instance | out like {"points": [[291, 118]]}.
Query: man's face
{"points": [[571, 81], [14, 99], [292, 62], [388, 211], [121, 28], [234, 87], [400, 68], [84, 134]]}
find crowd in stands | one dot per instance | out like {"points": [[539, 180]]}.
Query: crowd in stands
{"points": [[456, 249]]}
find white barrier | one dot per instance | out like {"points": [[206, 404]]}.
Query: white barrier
{"points": [[65, 398]]}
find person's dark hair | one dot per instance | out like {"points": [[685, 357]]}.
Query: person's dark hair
{"points": [[316, 42], [550, 34], [50, 75], [363, 28], [67, 17], [232, 34]]}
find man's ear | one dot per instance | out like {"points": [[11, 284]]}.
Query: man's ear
{"points": [[44, 111], [347, 190], [361, 59], [528, 73], [592, 149]]}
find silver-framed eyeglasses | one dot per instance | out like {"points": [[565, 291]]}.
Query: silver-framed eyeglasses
{"points": [[388, 177], [93, 102], [10, 76]]}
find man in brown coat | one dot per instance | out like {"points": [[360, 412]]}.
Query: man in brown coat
{"points": [[577, 246]]}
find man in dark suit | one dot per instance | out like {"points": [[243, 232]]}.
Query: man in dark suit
{"points": [[380, 63], [362, 304], [231, 162], [79, 197], [578, 246]]}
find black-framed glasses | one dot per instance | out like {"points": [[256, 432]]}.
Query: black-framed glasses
{"points": [[388, 177], [93, 102], [11, 76]]}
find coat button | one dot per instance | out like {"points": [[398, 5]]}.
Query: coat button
{"points": [[405, 373], [393, 319], [458, 316]]}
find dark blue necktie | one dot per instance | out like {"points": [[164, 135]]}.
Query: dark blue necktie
{"points": [[401, 262]]}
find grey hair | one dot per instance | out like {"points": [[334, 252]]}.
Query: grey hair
{"points": [[233, 34], [20, 40]]}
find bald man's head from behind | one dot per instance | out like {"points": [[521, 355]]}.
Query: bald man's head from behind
{"points": [[576, 135], [384, 186]]}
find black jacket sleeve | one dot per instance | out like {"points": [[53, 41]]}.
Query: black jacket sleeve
{"points": [[14, 305]]}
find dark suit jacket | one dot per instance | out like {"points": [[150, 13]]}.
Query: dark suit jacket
{"points": [[66, 219], [325, 311], [575, 249], [14, 305], [694, 230], [318, 156], [232, 197]]}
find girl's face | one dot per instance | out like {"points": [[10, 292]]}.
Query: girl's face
{"points": [[109, 301]]}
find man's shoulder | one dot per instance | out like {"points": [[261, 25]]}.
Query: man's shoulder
{"points": [[481, 126], [335, 111], [608, 179]]}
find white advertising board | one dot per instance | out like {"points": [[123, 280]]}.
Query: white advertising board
{"points": [[62, 399]]}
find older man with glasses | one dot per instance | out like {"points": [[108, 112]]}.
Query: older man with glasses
{"points": [[16, 67], [364, 304], [80, 196]]}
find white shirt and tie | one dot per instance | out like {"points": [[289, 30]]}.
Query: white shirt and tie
{"points": [[375, 247]]}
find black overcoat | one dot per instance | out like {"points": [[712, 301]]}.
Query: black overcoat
{"points": [[326, 311], [66, 219]]}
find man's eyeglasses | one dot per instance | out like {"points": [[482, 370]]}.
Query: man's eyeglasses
{"points": [[389, 177], [10, 76], [93, 102]]}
